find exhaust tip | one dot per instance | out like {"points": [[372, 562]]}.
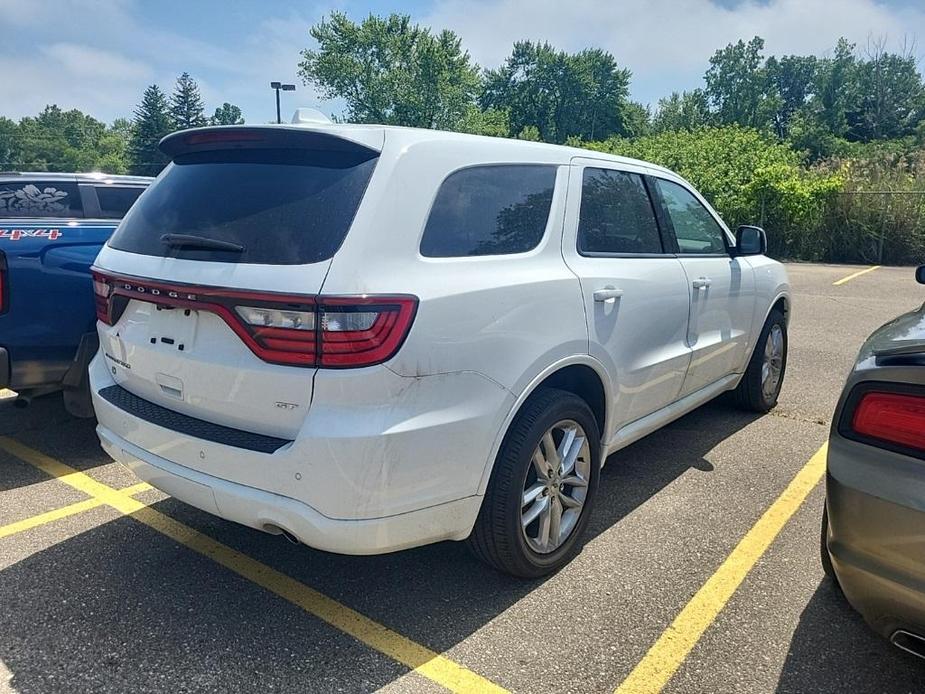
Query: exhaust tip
{"points": [[276, 530], [909, 642], [294, 540]]}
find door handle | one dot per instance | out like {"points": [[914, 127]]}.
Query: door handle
{"points": [[608, 294], [702, 282]]}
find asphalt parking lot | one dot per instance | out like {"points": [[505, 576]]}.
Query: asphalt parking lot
{"points": [[108, 585]]}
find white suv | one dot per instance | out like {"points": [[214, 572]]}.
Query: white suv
{"points": [[369, 338]]}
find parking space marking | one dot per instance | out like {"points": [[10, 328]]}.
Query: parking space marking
{"points": [[65, 511], [417, 657], [855, 274], [50, 516], [667, 654]]}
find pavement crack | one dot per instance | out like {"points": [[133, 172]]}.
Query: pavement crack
{"points": [[799, 418]]}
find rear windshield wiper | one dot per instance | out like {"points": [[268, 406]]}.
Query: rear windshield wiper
{"points": [[203, 242]]}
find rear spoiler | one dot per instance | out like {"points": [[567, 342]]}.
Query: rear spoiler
{"points": [[367, 141]]}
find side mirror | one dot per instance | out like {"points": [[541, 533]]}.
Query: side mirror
{"points": [[920, 274], [751, 241]]}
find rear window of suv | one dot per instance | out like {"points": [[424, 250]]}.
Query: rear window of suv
{"points": [[284, 207], [490, 210]]}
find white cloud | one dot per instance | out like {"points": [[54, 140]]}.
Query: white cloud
{"points": [[98, 55], [667, 43]]}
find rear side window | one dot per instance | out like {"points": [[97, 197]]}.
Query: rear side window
{"points": [[279, 206], [116, 200], [37, 199], [616, 214], [490, 210]]}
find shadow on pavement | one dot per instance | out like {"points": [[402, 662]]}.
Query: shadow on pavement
{"points": [[833, 650], [46, 426], [123, 608]]}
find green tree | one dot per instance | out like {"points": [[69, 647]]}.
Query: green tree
{"points": [[391, 71], [9, 143], [636, 119], [186, 107], [791, 83], [561, 95], [892, 98], [152, 122], [836, 89], [681, 111], [57, 140], [488, 122], [227, 114], [736, 85]]}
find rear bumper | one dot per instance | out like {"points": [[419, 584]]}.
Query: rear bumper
{"points": [[272, 512], [878, 552], [382, 462]]}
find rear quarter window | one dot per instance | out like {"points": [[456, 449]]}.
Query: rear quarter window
{"points": [[115, 201], [489, 210], [39, 199], [282, 206]]}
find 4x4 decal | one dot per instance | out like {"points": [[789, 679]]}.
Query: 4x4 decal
{"points": [[17, 234]]}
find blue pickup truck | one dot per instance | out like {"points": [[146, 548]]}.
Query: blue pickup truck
{"points": [[52, 226]]}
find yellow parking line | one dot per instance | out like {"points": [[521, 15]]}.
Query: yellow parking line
{"points": [[664, 658], [420, 659], [65, 511], [855, 274], [136, 489], [50, 516]]}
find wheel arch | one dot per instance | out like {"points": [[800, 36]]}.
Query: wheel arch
{"points": [[582, 375], [781, 302]]}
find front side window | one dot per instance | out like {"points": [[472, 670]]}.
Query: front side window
{"points": [[695, 228], [37, 199], [616, 214], [490, 210]]}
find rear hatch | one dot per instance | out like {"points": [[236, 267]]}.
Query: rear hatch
{"points": [[207, 292]]}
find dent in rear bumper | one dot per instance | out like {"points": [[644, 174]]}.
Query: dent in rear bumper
{"points": [[268, 511], [878, 552], [414, 443]]}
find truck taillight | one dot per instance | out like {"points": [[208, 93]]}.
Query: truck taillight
{"points": [[4, 284], [891, 417], [296, 330]]}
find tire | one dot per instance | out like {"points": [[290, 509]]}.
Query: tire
{"points": [[499, 537], [751, 394]]}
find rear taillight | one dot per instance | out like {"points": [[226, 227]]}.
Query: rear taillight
{"points": [[102, 290], [4, 285], [326, 331], [363, 330], [894, 418]]}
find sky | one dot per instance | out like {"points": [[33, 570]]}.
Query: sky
{"points": [[99, 55]]}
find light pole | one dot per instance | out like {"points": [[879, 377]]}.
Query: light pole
{"points": [[280, 86]]}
